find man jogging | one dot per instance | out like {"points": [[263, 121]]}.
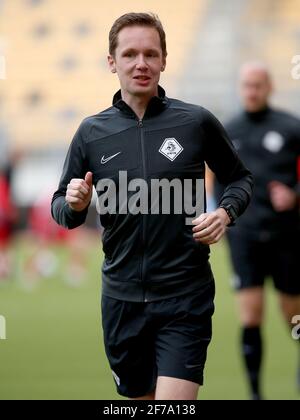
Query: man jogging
{"points": [[157, 285], [265, 240]]}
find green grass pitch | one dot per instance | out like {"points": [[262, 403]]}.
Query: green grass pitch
{"points": [[54, 347]]}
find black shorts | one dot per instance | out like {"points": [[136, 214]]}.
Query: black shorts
{"points": [[163, 338], [253, 260]]}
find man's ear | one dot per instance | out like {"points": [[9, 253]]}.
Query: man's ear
{"points": [[164, 64], [111, 63]]}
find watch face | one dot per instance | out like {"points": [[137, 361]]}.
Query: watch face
{"points": [[231, 212]]}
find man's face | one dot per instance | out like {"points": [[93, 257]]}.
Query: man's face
{"points": [[138, 61], [255, 88]]}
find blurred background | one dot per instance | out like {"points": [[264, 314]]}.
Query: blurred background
{"points": [[53, 73]]}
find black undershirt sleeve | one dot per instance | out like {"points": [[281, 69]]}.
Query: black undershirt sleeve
{"points": [[74, 167], [223, 160]]}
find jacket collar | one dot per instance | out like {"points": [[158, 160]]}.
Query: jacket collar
{"points": [[258, 115], [155, 106]]}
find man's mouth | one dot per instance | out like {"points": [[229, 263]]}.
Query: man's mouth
{"points": [[142, 77]]}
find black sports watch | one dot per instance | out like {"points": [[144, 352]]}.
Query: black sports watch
{"points": [[230, 212]]}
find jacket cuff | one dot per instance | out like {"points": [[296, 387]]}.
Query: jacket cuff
{"points": [[76, 216]]}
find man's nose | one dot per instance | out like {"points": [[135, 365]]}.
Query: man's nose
{"points": [[141, 62]]}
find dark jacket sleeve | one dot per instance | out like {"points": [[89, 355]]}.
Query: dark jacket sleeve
{"points": [[74, 167], [223, 160]]}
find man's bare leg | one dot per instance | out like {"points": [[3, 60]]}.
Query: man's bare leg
{"points": [[169, 388], [290, 306]]}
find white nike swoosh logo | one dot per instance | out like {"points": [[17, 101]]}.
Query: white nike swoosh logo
{"points": [[104, 160]]}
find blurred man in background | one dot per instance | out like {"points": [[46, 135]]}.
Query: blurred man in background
{"points": [[265, 240]]}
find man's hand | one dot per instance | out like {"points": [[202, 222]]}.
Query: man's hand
{"points": [[210, 227], [282, 197], [79, 192]]}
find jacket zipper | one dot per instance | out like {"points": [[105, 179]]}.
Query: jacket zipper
{"points": [[143, 268]]}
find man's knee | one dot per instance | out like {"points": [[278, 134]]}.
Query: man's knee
{"points": [[251, 306], [290, 306], [169, 388]]}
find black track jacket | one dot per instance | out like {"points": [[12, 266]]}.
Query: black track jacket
{"points": [[268, 141], [150, 257]]}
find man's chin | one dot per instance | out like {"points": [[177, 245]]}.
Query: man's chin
{"points": [[252, 108], [144, 91]]}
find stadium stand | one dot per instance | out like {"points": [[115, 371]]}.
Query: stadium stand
{"points": [[56, 55], [236, 31]]}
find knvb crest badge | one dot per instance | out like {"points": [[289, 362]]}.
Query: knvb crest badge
{"points": [[171, 148]]}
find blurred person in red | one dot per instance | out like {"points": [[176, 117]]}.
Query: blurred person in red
{"points": [[8, 216], [44, 261], [7, 219]]}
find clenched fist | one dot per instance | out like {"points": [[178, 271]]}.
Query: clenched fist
{"points": [[282, 197], [79, 192], [210, 227]]}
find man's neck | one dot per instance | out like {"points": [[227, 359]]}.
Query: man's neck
{"points": [[259, 110], [137, 103], [258, 114]]}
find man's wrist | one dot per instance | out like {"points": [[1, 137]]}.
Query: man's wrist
{"points": [[74, 211], [230, 212], [224, 215]]}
